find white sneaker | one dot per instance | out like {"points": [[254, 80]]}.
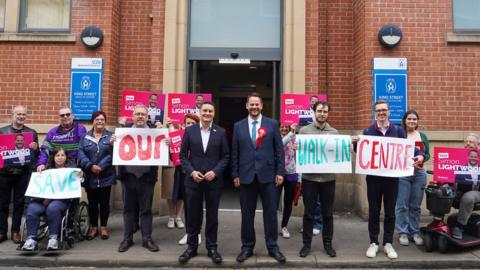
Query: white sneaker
{"points": [[179, 223], [418, 240], [403, 239], [30, 245], [285, 233], [199, 239], [372, 250], [316, 231], [52, 244], [390, 251], [183, 241], [171, 223]]}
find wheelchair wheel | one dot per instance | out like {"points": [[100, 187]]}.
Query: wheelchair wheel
{"points": [[68, 243], [81, 221], [442, 244], [429, 242], [42, 231]]}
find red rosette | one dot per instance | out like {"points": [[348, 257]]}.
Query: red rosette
{"points": [[262, 132]]}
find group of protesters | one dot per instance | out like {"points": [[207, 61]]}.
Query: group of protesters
{"points": [[261, 158]]}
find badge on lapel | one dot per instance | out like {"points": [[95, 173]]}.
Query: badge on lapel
{"points": [[262, 132]]}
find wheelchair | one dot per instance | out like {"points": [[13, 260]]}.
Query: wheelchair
{"points": [[74, 226]]}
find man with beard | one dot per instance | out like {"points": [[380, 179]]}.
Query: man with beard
{"points": [[258, 167], [318, 185], [15, 178]]}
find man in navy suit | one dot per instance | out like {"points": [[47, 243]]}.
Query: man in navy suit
{"points": [[258, 167], [204, 156]]}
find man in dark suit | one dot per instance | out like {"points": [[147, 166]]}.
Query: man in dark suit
{"points": [[258, 167], [204, 156]]}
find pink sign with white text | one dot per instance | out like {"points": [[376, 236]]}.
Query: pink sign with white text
{"points": [[175, 145], [131, 98], [14, 149], [296, 108], [181, 104], [446, 161]]}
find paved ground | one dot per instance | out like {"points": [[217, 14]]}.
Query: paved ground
{"points": [[350, 241]]}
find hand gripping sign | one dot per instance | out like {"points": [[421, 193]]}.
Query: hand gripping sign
{"points": [[140, 146], [385, 156], [55, 184]]}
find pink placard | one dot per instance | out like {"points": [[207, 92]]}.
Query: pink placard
{"points": [[130, 98], [296, 108], [446, 161], [175, 145], [10, 154], [181, 104]]}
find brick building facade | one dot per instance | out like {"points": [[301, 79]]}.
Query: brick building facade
{"points": [[327, 47]]}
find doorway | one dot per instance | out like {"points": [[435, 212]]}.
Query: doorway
{"points": [[230, 84]]}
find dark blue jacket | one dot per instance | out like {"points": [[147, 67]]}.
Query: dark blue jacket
{"points": [[265, 161], [92, 153]]}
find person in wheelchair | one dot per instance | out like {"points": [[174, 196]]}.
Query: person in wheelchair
{"points": [[467, 183], [54, 209]]}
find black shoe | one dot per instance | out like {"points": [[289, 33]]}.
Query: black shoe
{"points": [[187, 255], [125, 245], [457, 232], [277, 255], [216, 258], [329, 250], [244, 255], [150, 245], [304, 251]]}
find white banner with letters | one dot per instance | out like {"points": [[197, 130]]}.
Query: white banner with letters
{"points": [[141, 146], [385, 156], [55, 184], [323, 154]]}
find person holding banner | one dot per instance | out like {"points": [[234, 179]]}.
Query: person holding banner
{"points": [[258, 167], [95, 159], [291, 177], [15, 178], [204, 155], [318, 186], [383, 188], [472, 141], [468, 177], [67, 135], [411, 188], [155, 114], [54, 209], [138, 183]]}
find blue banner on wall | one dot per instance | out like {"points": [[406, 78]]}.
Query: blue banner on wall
{"points": [[390, 84], [86, 87]]}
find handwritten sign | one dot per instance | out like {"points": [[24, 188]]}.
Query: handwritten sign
{"points": [[385, 156], [323, 154], [296, 108], [175, 145], [181, 104], [14, 150], [140, 146], [55, 184]]}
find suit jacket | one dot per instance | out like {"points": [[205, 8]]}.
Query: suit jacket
{"points": [[215, 158], [265, 161]]}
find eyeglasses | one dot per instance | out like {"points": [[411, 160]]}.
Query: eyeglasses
{"points": [[99, 120], [65, 115], [140, 114], [381, 110]]}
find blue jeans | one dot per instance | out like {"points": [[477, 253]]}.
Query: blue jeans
{"points": [[409, 200], [54, 212], [318, 216]]}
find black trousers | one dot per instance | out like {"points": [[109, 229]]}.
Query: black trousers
{"points": [[269, 194], [379, 188], [288, 193], [16, 183], [312, 192], [137, 204], [98, 198], [195, 198]]}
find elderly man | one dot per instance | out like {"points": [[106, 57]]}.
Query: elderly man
{"points": [[66, 135], [470, 198], [15, 178], [138, 183]]}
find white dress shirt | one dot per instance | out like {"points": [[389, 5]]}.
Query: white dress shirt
{"points": [[250, 124], [205, 132]]}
